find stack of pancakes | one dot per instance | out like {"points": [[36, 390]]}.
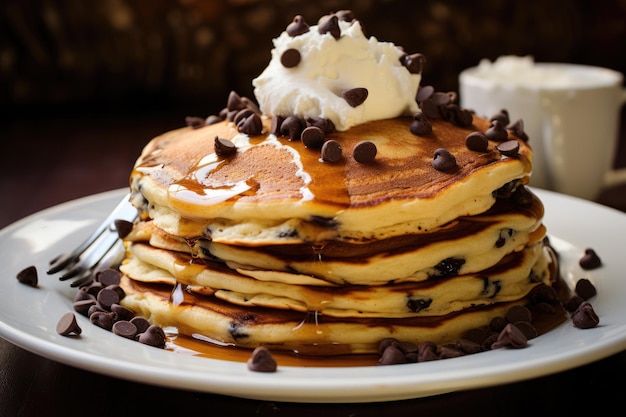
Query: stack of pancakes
{"points": [[271, 245]]}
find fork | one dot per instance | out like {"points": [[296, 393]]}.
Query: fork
{"points": [[101, 249]]}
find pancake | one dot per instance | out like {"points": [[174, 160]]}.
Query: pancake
{"points": [[269, 225]]}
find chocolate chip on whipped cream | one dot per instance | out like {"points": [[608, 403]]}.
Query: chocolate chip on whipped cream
{"points": [[355, 96], [414, 62], [329, 24], [290, 58], [297, 27]]}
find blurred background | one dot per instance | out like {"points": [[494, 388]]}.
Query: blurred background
{"points": [[85, 84]]}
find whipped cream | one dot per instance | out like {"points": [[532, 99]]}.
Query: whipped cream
{"points": [[327, 68]]}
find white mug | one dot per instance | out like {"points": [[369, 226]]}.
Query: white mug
{"points": [[571, 114]]}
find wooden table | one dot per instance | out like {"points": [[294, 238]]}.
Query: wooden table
{"points": [[49, 160]]}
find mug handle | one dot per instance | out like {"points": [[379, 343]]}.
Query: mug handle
{"points": [[616, 176]]}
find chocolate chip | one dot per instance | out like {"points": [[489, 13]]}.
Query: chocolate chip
{"points": [[102, 319], [312, 137], [509, 147], [123, 227], [107, 297], [83, 306], [355, 96], [153, 336], [83, 294], [573, 303], [414, 62], [125, 329], [477, 141], [450, 351], [291, 127], [212, 119], [477, 334], [468, 346], [241, 114], [590, 260], [297, 27], [28, 276], [251, 125], [121, 312], [194, 122], [234, 102], [345, 15], [424, 93], [497, 132], [522, 196], [502, 116], [382, 345], [510, 336], [224, 147], [517, 128], [262, 360], [457, 115], [108, 276], [585, 317], [420, 126], [67, 325], [497, 324], [430, 109], [329, 24], [141, 323], [443, 160], [392, 355], [518, 313], [331, 151], [364, 152], [585, 289], [543, 293], [290, 58], [326, 125], [275, 125], [427, 352], [527, 328]]}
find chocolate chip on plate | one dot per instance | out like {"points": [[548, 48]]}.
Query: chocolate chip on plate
{"points": [[28, 276], [585, 289], [108, 276], [585, 317], [67, 325], [590, 260], [262, 360], [153, 336], [355, 96], [392, 355], [510, 336], [125, 329]]}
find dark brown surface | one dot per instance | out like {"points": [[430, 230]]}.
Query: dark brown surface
{"points": [[51, 160]]}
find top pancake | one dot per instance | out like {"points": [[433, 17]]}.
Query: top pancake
{"points": [[274, 190]]}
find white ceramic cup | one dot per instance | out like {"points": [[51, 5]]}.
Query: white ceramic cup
{"points": [[570, 112]]}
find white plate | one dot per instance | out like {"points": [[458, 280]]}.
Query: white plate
{"points": [[28, 318]]}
